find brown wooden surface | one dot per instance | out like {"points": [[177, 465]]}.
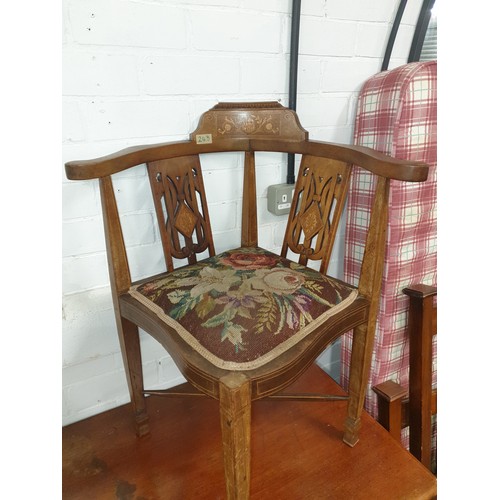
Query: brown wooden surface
{"points": [[235, 421], [370, 282], [390, 406], [421, 327], [256, 120], [249, 223], [297, 453]]}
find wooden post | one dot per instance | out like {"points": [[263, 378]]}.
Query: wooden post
{"points": [[421, 329], [369, 286], [119, 275], [390, 407], [235, 411], [249, 237]]}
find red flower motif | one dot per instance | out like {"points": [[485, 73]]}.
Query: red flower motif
{"points": [[249, 261]]}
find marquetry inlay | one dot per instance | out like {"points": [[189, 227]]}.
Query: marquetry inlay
{"points": [[185, 220]]}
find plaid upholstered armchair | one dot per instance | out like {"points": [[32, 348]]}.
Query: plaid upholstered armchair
{"points": [[397, 115]]}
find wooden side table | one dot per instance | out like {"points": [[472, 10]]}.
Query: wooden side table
{"points": [[298, 453]]}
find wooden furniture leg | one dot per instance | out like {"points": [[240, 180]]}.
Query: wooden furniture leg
{"points": [[364, 334], [421, 327], [128, 332], [360, 363], [235, 411], [131, 350]]}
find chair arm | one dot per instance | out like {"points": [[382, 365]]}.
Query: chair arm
{"points": [[379, 163], [137, 155], [390, 397], [373, 161], [420, 291], [390, 391]]}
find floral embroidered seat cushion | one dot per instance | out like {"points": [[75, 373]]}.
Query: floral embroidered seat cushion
{"points": [[242, 308]]}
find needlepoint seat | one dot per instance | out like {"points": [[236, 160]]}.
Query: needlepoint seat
{"points": [[244, 307]]}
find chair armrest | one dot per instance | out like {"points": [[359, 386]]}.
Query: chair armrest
{"points": [[390, 391], [379, 163], [373, 161], [390, 406], [137, 155], [420, 291]]}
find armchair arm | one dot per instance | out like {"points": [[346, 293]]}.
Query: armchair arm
{"points": [[136, 155], [378, 163], [373, 161], [420, 291], [390, 397]]}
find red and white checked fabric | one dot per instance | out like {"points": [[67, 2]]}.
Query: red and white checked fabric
{"points": [[397, 115]]}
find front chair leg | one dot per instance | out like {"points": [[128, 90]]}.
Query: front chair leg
{"points": [[362, 346], [131, 352], [235, 411]]}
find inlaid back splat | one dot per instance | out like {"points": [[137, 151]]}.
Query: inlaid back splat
{"points": [[316, 209], [181, 208]]}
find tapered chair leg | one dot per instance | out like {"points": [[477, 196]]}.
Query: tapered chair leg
{"points": [[131, 352], [235, 413], [369, 286], [362, 347]]}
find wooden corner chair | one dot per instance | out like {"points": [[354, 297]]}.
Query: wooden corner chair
{"points": [[244, 324], [415, 406]]}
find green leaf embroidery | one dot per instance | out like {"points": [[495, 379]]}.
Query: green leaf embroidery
{"points": [[221, 318], [177, 296], [266, 315], [205, 307], [313, 285], [233, 333], [184, 306]]}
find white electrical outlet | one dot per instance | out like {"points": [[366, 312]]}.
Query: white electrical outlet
{"points": [[279, 198]]}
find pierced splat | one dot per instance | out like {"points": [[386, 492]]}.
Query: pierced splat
{"points": [[181, 208], [316, 209]]}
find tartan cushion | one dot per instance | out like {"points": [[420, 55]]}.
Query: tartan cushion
{"points": [[242, 308]]}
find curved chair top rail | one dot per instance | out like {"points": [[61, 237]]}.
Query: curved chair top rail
{"points": [[264, 126]]}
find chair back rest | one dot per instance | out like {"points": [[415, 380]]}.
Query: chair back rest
{"points": [[316, 209], [179, 193], [181, 207], [237, 121]]}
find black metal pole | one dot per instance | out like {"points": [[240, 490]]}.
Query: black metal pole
{"points": [[420, 31], [392, 36], [292, 90]]}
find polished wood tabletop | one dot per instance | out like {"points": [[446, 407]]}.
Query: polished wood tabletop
{"points": [[297, 453]]}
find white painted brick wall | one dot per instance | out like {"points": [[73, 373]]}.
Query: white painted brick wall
{"points": [[127, 24], [327, 37], [201, 74], [237, 31], [142, 71]]}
